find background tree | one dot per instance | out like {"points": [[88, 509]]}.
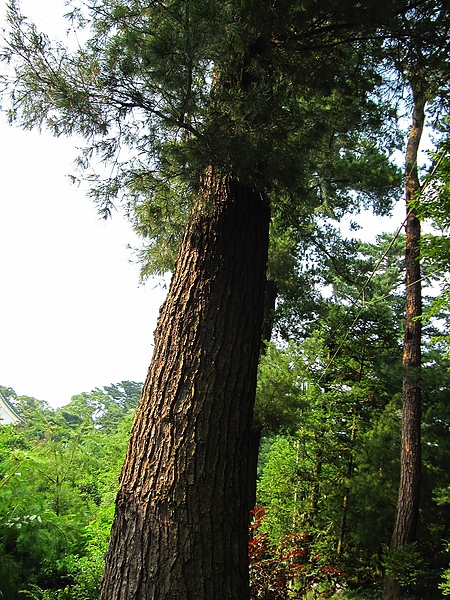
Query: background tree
{"points": [[421, 63], [334, 405], [60, 473]]}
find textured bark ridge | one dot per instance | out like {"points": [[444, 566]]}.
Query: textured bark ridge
{"points": [[409, 489], [180, 530], [407, 512]]}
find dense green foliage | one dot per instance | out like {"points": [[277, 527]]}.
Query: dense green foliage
{"points": [[330, 409], [163, 92], [59, 479]]}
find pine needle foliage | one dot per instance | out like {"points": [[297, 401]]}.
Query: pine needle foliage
{"points": [[279, 95]]}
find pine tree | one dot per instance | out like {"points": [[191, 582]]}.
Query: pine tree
{"points": [[219, 105], [422, 64]]}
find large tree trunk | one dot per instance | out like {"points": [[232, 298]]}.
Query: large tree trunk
{"points": [[181, 526], [407, 513]]}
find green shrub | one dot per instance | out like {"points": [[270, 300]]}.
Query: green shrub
{"points": [[404, 565]]}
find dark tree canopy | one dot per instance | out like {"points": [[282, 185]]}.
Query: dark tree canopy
{"points": [[283, 98]]}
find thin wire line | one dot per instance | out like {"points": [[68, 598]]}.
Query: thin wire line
{"points": [[427, 182], [366, 283]]}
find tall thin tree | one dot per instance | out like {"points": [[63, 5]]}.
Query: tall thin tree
{"points": [[422, 64], [407, 512]]}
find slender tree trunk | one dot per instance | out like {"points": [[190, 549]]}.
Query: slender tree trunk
{"points": [[407, 513], [270, 301], [270, 297], [255, 442], [350, 472], [351, 460], [181, 526], [409, 491]]}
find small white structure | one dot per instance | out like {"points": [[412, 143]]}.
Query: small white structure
{"points": [[7, 413]]}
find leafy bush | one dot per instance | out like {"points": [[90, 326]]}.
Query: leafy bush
{"points": [[86, 572], [405, 564], [445, 584], [290, 570]]}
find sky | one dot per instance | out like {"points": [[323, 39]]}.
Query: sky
{"points": [[73, 316], [72, 313]]}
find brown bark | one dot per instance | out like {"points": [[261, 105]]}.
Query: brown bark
{"points": [[350, 471], [180, 529], [270, 297], [407, 512], [270, 301]]}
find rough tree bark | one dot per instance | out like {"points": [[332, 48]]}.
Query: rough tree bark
{"points": [[181, 526], [407, 513], [270, 298]]}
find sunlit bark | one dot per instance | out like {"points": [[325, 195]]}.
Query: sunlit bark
{"points": [[180, 530], [407, 512]]}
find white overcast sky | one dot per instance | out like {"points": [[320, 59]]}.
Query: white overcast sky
{"points": [[72, 314]]}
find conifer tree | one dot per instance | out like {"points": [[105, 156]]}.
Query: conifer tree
{"points": [[422, 64], [219, 105]]}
